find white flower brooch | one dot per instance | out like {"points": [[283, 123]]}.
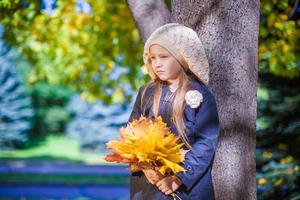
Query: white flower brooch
{"points": [[193, 98]]}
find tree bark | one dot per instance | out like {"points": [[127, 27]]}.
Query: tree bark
{"points": [[229, 32], [149, 15]]}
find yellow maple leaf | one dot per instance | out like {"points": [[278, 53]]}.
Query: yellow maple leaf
{"points": [[138, 126], [159, 127]]}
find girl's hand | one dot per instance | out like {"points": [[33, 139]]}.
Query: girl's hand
{"points": [[152, 176], [169, 184], [135, 167]]}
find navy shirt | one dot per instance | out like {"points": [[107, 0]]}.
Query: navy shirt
{"points": [[203, 131]]}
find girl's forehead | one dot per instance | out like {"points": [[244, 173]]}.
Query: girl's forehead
{"points": [[156, 48]]}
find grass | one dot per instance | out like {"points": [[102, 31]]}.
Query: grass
{"points": [[54, 147], [74, 179]]}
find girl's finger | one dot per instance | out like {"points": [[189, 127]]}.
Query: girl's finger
{"points": [[158, 184], [164, 190], [168, 192], [161, 187]]}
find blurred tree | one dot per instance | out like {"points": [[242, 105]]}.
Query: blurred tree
{"points": [[77, 43], [95, 124], [15, 105], [278, 138], [278, 124], [49, 101]]}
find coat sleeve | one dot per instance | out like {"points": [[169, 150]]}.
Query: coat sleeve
{"points": [[206, 132], [137, 109]]}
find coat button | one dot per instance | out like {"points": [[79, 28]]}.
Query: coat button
{"points": [[189, 169]]}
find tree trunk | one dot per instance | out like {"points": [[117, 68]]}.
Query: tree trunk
{"points": [[149, 15], [229, 32]]}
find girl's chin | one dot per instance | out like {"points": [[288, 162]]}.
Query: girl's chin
{"points": [[162, 77]]}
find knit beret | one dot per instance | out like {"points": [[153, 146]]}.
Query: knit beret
{"points": [[184, 44]]}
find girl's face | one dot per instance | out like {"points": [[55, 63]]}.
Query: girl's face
{"points": [[164, 64]]}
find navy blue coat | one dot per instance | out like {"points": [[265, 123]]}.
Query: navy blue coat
{"points": [[203, 126]]}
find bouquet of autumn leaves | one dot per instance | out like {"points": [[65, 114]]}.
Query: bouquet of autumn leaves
{"points": [[147, 144]]}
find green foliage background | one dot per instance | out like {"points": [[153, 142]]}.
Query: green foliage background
{"points": [[77, 49], [278, 120], [279, 38]]}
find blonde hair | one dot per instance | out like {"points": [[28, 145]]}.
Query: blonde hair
{"points": [[178, 104]]}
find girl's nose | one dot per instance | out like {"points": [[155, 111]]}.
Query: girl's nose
{"points": [[157, 63]]}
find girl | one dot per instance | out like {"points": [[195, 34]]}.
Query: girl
{"points": [[178, 67]]}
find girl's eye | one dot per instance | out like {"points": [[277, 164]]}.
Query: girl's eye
{"points": [[162, 56]]}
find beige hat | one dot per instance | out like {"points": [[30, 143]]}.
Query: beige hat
{"points": [[184, 44]]}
